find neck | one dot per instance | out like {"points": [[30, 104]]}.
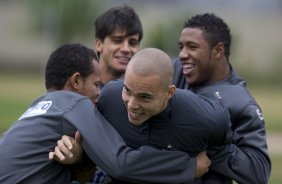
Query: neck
{"points": [[51, 90], [223, 71], [226, 71], [108, 74]]}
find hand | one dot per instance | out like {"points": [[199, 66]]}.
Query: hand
{"points": [[68, 150], [203, 163]]}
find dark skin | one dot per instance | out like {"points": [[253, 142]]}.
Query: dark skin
{"points": [[201, 63]]}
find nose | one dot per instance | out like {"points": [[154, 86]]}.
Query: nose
{"points": [[132, 103], [97, 94], [125, 47], [183, 54], [98, 91]]}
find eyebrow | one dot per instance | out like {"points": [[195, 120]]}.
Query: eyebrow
{"points": [[138, 94], [117, 36], [126, 87], [187, 42]]}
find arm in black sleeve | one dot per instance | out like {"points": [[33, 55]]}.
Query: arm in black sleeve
{"points": [[246, 160], [106, 148]]}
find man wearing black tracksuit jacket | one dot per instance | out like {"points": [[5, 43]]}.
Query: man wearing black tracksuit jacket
{"points": [[188, 122], [203, 68], [174, 128]]}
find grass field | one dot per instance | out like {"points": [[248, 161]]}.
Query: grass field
{"points": [[18, 91], [270, 100]]}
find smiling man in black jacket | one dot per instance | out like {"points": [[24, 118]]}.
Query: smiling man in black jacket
{"points": [[204, 68]]}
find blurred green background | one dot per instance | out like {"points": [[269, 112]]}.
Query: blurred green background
{"points": [[31, 29]]}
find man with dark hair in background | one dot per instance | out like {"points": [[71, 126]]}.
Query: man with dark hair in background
{"points": [[118, 34]]}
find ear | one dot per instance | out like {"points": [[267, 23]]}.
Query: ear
{"points": [[98, 45], [171, 91], [76, 81], [218, 50]]}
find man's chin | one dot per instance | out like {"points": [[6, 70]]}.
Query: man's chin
{"points": [[190, 82], [135, 121]]}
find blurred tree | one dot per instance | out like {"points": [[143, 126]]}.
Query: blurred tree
{"points": [[165, 35], [63, 20]]}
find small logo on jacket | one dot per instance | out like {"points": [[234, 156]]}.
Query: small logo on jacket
{"points": [[169, 147], [259, 114], [40, 108], [217, 94]]}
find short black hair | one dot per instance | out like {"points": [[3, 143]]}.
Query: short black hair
{"points": [[214, 28], [65, 61], [120, 17]]}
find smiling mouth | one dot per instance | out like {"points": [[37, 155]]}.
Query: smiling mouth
{"points": [[187, 68], [134, 115], [123, 60]]}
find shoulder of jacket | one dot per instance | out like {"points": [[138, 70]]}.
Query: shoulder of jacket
{"points": [[67, 99], [235, 97]]}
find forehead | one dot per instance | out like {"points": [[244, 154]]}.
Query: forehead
{"points": [[122, 32], [150, 84], [192, 34]]}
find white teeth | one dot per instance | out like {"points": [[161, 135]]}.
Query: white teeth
{"points": [[135, 114], [187, 66], [123, 58]]}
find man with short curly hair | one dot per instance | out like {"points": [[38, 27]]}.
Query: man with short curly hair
{"points": [[204, 68]]}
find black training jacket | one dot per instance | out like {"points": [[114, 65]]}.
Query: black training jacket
{"points": [[246, 159], [25, 146], [190, 123]]}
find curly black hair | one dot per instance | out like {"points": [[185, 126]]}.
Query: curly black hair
{"points": [[65, 61], [214, 28]]}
